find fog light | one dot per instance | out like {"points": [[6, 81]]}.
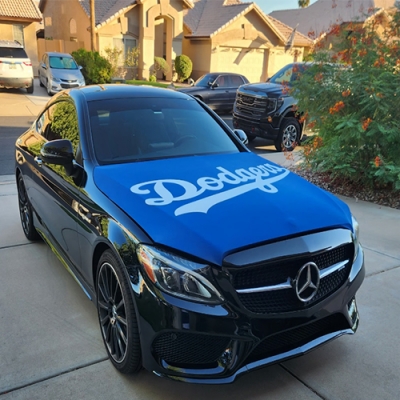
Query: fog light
{"points": [[229, 355]]}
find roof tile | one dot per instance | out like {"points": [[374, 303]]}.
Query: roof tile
{"points": [[321, 15], [24, 9]]}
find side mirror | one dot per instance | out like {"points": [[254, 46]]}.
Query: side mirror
{"points": [[80, 67], [241, 136], [43, 65], [58, 152]]}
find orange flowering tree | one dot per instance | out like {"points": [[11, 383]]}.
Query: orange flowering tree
{"points": [[351, 94]]}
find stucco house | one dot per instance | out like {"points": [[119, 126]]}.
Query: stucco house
{"points": [[317, 19], [18, 21], [228, 35], [218, 35]]}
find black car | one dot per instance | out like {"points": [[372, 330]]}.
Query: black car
{"points": [[181, 236], [268, 110], [217, 90]]}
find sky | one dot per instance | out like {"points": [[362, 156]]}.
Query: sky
{"points": [[272, 5]]}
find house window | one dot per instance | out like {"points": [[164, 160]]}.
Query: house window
{"points": [[125, 44], [18, 34], [72, 26]]}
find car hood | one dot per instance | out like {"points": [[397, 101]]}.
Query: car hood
{"points": [[268, 88], [210, 206], [68, 75]]}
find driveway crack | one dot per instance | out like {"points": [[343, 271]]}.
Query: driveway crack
{"points": [[302, 382], [47, 378]]}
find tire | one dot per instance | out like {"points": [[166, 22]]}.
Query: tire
{"points": [[30, 89], [289, 135], [48, 88], [25, 212], [117, 315]]}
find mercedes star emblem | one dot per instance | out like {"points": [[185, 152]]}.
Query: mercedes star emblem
{"points": [[307, 282]]}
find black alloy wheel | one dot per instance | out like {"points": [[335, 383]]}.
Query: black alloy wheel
{"points": [[289, 135], [117, 316], [25, 212]]}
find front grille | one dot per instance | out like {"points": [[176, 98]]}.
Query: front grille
{"points": [[179, 348], [69, 85], [274, 273], [250, 106], [293, 338]]}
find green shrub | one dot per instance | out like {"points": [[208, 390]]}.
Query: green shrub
{"points": [[113, 56], [183, 67], [152, 78], [95, 68], [161, 65], [354, 109]]}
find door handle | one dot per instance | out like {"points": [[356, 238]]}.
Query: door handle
{"points": [[38, 161]]}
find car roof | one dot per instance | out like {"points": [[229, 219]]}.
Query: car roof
{"points": [[223, 73], [11, 43], [57, 54], [113, 91]]}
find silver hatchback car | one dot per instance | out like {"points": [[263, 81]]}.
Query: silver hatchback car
{"points": [[59, 71]]}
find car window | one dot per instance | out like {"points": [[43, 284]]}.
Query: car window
{"points": [[12, 52], [236, 80], [289, 74], [59, 62], [205, 80], [152, 128], [60, 121], [223, 81]]}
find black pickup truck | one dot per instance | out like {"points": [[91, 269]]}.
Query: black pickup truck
{"points": [[268, 110]]}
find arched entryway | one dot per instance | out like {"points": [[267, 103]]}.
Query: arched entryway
{"points": [[161, 36]]}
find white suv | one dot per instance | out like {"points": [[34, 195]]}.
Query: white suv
{"points": [[15, 66]]}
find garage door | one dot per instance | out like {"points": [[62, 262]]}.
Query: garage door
{"points": [[250, 63]]}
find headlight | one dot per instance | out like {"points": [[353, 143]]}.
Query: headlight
{"points": [[356, 236], [55, 79], [178, 276]]}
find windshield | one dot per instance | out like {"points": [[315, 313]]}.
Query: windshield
{"points": [[12, 52], [135, 129], [62, 63], [205, 79], [287, 75]]}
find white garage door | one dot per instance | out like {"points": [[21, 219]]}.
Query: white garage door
{"points": [[250, 63]]}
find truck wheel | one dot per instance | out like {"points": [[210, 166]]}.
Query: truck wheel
{"points": [[289, 135]]}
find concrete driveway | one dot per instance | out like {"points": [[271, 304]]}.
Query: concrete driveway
{"points": [[51, 348]]}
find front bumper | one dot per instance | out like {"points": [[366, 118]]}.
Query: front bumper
{"points": [[58, 86], [193, 342], [259, 128]]}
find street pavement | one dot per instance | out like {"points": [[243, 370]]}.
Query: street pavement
{"points": [[51, 347]]}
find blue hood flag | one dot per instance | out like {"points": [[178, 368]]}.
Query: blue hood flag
{"points": [[210, 206]]}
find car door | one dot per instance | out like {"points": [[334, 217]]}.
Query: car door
{"points": [[219, 96], [42, 70], [54, 194]]}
